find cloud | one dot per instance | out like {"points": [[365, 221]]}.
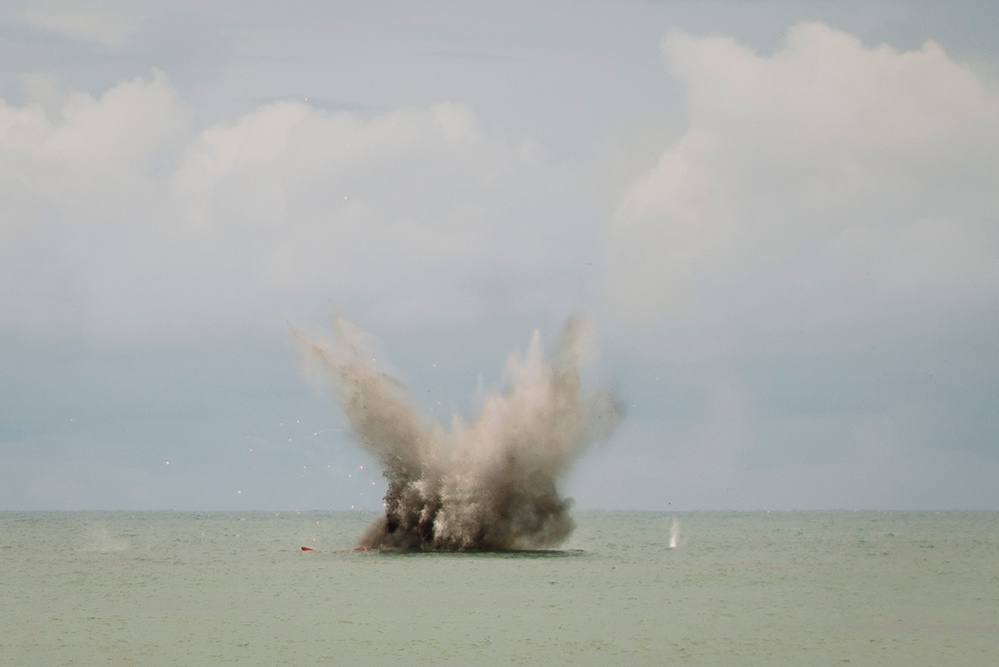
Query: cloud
{"points": [[126, 220], [824, 181], [818, 250]]}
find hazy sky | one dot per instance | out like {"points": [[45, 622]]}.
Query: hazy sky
{"points": [[781, 218]]}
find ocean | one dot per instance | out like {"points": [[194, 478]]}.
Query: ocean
{"points": [[739, 588]]}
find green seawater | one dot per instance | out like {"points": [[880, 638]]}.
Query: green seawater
{"points": [[748, 588]]}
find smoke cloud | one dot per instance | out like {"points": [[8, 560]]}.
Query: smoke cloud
{"points": [[487, 484]]}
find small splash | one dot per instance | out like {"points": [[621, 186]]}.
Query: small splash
{"points": [[99, 540], [674, 533]]}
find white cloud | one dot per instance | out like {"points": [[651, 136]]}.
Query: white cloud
{"points": [[95, 147], [821, 249], [813, 184], [124, 220]]}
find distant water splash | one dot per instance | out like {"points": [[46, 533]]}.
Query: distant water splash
{"points": [[489, 484], [674, 533], [99, 539]]}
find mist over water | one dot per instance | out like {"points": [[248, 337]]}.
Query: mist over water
{"points": [[487, 484]]}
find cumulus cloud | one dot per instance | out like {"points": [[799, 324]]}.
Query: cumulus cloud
{"points": [[125, 219], [819, 182], [819, 247]]}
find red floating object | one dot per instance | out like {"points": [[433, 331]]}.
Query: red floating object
{"points": [[307, 549]]}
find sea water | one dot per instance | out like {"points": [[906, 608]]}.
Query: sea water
{"points": [[632, 588]]}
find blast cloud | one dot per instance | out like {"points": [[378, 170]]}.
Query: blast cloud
{"points": [[487, 484]]}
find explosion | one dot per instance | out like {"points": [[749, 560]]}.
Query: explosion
{"points": [[487, 484]]}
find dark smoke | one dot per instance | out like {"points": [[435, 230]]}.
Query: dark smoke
{"points": [[489, 484]]}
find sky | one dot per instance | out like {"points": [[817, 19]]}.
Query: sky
{"points": [[780, 218]]}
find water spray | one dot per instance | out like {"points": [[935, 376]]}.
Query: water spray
{"points": [[486, 484]]}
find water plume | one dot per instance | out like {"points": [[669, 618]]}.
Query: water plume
{"points": [[486, 484]]}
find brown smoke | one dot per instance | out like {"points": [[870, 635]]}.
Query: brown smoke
{"points": [[489, 484]]}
